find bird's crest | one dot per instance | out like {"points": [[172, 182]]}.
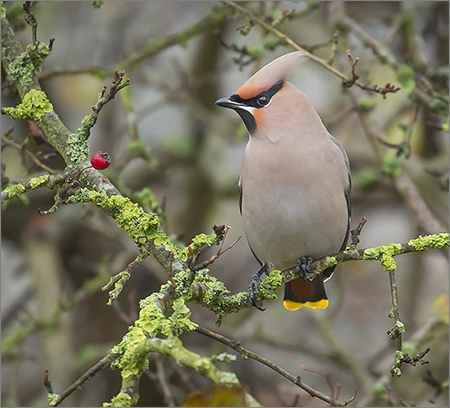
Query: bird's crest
{"points": [[269, 75]]}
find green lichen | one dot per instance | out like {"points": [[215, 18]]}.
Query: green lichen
{"points": [[401, 327], [15, 190], [228, 378], [134, 348], [385, 254], [388, 262], [180, 318], [86, 124], [436, 241], [141, 226], [155, 323], [25, 69], [225, 358], [34, 105], [37, 181], [3, 10], [78, 148], [215, 295], [138, 224], [120, 400], [133, 359], [274, 280], [398, 356], [330, 261], [52, 398]]}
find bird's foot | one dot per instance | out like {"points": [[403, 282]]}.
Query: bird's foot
{"points": [[254, 288], [304, 266]]}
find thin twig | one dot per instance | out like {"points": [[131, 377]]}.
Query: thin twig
{"points": [[345, 79], [22, 150], [31, 20], [103, 99], [119, 279], [220, 252], [396, 332], [171, 271], [245, 353], [357, 231], [165, 386], [404, 148], [78, 384], [52, 181], [407, 189]]}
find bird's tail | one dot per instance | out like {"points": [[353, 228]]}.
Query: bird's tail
{"points": [[299, 293]]}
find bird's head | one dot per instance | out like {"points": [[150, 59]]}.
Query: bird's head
{"points": [[259, 99]]}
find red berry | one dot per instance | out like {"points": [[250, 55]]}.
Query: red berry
{"points": [[100, 160]]}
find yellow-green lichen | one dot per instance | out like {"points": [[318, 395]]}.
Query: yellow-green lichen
{"points": [[139, 225], [3, 10], [15, 190], [330, 261], [52, 398], [437, 241], [155, 323], [197, 242], [388, 262], [37, 181], [133, 360], [398, 356], [400, 326], [180, 318], [34, 105], [385, 254], [120, 400], [274, 280]]}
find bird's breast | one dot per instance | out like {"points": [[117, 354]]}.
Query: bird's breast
{"points": [[293, 202]]}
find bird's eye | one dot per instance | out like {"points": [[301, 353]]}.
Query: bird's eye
{"points": [[263, 100]]}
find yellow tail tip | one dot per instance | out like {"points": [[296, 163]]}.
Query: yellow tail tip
{"points": [[290, 305]]}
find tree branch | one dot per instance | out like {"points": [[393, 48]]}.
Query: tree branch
{"points": [[246, 354]]}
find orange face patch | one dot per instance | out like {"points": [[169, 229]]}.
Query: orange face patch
{"points": [[258, 114], [249, 92]]}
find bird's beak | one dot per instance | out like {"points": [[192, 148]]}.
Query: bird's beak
{"points": [[228, 103]]}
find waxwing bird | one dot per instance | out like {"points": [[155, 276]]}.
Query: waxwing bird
{"points": [[294, 183]]}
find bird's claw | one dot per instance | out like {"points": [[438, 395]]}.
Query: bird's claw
{"points": [[254, 290], [304, 266]]}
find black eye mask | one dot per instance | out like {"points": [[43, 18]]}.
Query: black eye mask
{"points": [[260, 100]]}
